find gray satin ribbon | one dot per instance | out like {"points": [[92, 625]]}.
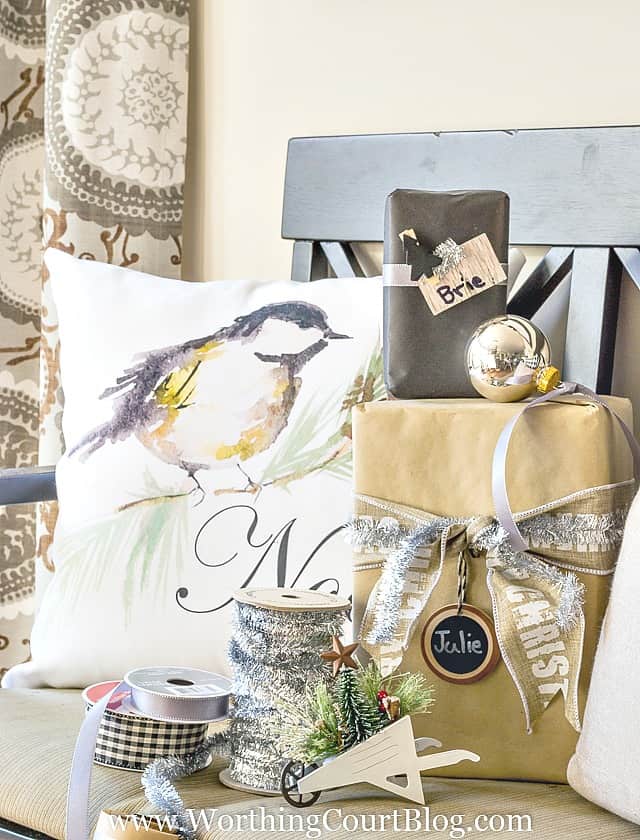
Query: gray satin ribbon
{"points": [[77, 824], [399, 274], [502, 507], [186, 710], [152, 705]]}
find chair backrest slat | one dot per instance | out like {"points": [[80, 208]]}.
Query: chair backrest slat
{"points": [[568, 186]]}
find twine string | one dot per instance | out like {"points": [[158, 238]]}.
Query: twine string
{"points": [[462, 579]]}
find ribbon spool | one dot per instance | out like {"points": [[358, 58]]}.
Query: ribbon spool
{"points": [[275, 653], [181, 695], [156, 712], [184, 700], [129, 741]]}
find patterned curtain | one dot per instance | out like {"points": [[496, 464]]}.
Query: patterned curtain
{"points": [[92, 155], [22, 42]]}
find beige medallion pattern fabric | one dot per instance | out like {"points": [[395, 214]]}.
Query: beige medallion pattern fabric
{"points": [[95, 167], [22, 35], [115, 129]]}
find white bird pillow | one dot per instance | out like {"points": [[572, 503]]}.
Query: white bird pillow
{"points": [[208, 448]]}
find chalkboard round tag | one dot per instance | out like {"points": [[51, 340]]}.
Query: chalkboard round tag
{"points": [[460, 646]]}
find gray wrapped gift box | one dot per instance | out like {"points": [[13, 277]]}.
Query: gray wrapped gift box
{"points": [[424, 353]]}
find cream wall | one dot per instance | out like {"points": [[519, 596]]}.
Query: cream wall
{"points": [[266, 70]]}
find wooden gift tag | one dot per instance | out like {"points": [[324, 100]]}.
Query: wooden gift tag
{"points": [[479, 270], [459, 644]]}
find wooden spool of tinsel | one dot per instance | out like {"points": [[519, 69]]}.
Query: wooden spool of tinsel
{"points": [[275, 650], [278, 636]]}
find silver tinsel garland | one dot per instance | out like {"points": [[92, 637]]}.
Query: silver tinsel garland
{"points": [[392, 581], [160, 775], [451, 255], [580, 530], [274, 655], [406, 546]]}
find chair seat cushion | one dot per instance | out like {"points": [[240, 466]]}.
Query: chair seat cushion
{"points": [[37, 735]]}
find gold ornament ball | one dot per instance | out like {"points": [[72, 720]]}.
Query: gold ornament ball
{"points": [[508, 359]]}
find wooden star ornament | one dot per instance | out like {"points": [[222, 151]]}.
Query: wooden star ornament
{"points": [[340, 655]]}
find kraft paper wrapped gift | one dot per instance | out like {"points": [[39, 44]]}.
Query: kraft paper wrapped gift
{"points": [[420, 459]]}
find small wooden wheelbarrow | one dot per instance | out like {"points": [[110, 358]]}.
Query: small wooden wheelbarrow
{"points": [[388, 760]]}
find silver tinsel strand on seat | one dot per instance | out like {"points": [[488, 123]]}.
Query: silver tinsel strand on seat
{"points": [[274, 655], [158, 779]]}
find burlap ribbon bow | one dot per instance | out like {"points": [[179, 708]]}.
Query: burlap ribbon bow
{"points": [[536, 594]]}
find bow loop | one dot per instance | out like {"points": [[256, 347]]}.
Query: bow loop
{"points": [[483, 534], [476, 535]]}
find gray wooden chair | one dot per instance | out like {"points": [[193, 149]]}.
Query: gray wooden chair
{"points": [[572, 189]]}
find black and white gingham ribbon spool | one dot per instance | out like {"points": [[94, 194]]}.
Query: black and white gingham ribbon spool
{"points": [[130, 741]]}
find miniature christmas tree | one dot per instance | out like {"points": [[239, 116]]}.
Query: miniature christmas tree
{"points": [[343, 710], [360, 720]]}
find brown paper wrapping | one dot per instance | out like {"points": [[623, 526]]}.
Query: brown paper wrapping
{"points": [[436, 455]]}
